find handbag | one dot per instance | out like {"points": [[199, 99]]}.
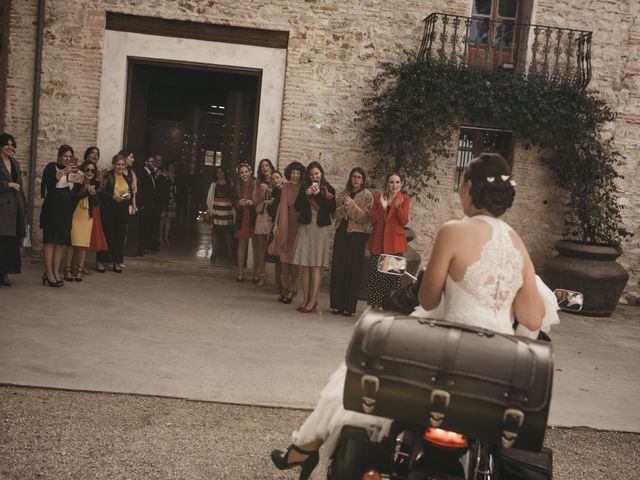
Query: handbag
{"points": [[26, 241]]}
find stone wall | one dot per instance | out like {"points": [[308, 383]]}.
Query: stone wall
{"points": [[334, 52]]}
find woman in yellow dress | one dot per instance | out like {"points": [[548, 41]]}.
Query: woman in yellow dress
{"points": [[84, 199]]}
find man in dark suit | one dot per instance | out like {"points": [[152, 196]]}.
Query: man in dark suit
{"points": [[148, 241]]}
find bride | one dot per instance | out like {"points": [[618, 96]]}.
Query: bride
{"points": [[479, 274]]}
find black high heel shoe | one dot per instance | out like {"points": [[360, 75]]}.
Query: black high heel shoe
{"points": [[289, 297], [281, 460], [67, 274], [46, 281]]}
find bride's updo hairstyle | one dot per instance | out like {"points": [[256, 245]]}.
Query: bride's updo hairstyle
{"points": [[491, 185]]}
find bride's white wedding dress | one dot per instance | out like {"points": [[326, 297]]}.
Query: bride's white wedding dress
{"points": [[483, 298]]}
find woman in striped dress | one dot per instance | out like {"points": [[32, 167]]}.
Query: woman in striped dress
{"points": [[220, 208]]}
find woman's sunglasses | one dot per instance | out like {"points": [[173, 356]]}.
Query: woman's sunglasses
{"points": [[90, 170]]}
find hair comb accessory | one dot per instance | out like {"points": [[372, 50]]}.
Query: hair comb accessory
{"points": [[240, 165], [491, 179], [504, 177]]}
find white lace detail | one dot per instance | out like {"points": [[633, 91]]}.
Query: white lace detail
{"points": [[496, 277]]}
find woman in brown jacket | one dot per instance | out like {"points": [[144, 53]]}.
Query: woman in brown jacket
{"points": [[352, 222]]}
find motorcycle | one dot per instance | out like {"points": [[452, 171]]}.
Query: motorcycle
{"points": [[424, 451]]}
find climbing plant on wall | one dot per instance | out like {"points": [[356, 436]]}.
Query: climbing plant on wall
{"points": [[419, 104]]}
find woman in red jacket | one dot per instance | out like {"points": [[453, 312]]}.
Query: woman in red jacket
{"points": [[389, 215]]}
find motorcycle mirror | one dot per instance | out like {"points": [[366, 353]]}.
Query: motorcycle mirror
{"points": [[393, 265], [569, 300]]}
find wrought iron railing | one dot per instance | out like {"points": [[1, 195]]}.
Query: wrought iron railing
{"points": [[559, 54]]}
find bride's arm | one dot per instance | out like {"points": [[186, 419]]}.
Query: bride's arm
{"points": [[436, 271], [528, 307]]}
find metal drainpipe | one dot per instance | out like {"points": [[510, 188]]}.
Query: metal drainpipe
{"points": [[35, 114]]}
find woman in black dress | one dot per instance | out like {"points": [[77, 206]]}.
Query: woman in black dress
{"points": [[352, 222], [12, 210], [56, 214], [116, 198]]}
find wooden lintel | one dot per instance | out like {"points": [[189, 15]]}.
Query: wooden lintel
{"points": [[195, 30]]}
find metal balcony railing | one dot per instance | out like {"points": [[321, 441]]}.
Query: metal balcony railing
{"points": [[559, 54]]}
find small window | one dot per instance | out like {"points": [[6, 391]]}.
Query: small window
{"points": [[476, 141]]}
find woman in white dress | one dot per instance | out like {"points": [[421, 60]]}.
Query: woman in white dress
{"points": [[479, 273]]}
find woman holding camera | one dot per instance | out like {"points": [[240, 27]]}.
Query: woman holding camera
{"points": [[116, 197], [85, 199], [316, 203], [56, 214], [389, 215]]}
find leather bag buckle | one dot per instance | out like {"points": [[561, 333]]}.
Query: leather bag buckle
{"points": [[439, 403], [370, 386], [512, 420]]}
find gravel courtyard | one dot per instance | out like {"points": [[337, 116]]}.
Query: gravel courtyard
{"points": [[55, 434]]}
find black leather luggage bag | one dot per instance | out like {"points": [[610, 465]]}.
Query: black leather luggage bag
{"points": [[469, 380]]}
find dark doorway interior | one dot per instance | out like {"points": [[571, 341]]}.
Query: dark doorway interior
{"points": [[197, 118]]}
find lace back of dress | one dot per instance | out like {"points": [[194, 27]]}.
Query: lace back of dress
{"points": [[495, 278]]}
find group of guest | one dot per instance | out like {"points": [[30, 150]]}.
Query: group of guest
{"points": [[288, 220], [85, 209]]}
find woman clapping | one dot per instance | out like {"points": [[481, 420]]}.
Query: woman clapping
{"points": [[389, 215]]}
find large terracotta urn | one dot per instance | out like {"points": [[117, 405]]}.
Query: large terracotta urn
{"points": [[591, 270]]}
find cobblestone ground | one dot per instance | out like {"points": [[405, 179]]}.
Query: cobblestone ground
{"points": [[53, 434]]}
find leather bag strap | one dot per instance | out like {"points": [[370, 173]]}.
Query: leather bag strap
{"points": [[440, 397], [513, 417]]}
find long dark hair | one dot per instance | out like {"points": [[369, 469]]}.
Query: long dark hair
{"points": [[88, 151], [261, 177], [62, 149], [306, 182], [83, 168], [364, 179], [5, 138]]}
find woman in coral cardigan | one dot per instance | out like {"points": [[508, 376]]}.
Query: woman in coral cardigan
{"points": [[389, 215]]}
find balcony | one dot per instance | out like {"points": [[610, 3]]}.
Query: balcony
{"points": [[558, 54]]}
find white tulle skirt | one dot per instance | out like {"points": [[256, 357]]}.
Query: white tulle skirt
{"points": [[328, 417]]}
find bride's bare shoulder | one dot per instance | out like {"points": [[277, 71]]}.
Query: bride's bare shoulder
{"points": [[453, 228]]}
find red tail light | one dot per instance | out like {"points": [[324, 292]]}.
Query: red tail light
{"points": [[372, 475], [444, 438]]}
